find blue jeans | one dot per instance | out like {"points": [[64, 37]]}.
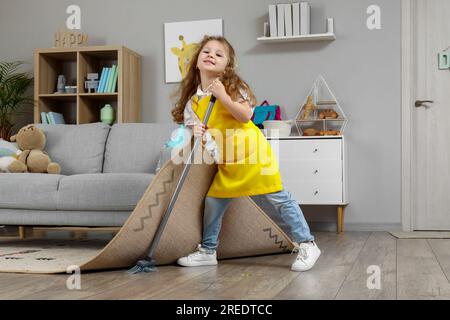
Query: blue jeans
{"points": [[287, 207]]}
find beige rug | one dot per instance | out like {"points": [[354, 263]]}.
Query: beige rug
{"points": [[246, 231], [46, 255], [421, 234]]}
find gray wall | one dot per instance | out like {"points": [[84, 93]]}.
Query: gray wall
{"points": [[362, 67]]}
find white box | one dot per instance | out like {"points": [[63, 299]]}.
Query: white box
{"points": [[273, 20], [305, 18], [280, 18], [288, 19], [296, 19], [266, 32], [330, 25]]}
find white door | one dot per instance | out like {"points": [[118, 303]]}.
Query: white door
{"points": [[430, 120]]}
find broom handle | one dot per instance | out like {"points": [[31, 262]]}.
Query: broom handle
{"points": [[180, 183]]}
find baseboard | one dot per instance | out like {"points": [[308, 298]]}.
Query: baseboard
{"points": [[331, 226]]}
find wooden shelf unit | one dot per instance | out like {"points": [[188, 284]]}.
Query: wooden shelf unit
{"points": [[75, 63]]}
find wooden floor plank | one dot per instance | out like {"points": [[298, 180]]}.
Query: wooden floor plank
{"points": [[28, 284], [146, 284], [251, 278], [10, 280], [379, 251], [441, 249], [419, 275], [326, 278], [116, 284], [255, 278]]}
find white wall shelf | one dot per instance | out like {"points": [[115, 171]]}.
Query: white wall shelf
{"points": [[303, 38]]}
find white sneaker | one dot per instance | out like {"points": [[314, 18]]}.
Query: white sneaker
{"points": [[201, 257], [308, 253]]}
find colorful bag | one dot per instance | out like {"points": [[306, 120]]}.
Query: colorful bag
{"points": [[266, 112]]}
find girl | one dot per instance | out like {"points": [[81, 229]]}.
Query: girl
{"points": [[212, 72]]}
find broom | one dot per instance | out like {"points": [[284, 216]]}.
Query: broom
{"points": [[148, 264]]}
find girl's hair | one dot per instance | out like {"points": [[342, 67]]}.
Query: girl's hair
{"points": [[231, 81]]}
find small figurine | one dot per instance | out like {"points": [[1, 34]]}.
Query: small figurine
{"points": [[308, 108], [60, 87], [92, 83]]}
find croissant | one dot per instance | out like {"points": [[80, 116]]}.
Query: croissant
{"points": [[330, 133], [311, 132], [329, 113]]}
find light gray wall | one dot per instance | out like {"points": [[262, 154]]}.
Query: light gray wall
{"points": [[362, 67]]}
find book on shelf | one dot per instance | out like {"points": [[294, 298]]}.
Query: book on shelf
{"points": [[296, 19], [111, 78], [108, 79], [57, 118], [273, 20], [102, 78], [305, 18], [44, 118], [52, 118], [105, 83], [102, 86], [116, 76], [288, 19], [280, 20]]}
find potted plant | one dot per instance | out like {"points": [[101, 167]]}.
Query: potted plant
{"points": [[13, 94]]}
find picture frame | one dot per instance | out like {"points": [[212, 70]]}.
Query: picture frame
{"points": [[180, 41]]}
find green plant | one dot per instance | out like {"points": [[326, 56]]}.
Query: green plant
{"points": [[13, 94]]}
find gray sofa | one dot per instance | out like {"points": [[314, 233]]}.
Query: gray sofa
{"points": [[105, 171]]}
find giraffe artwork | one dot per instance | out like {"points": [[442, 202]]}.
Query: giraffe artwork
{"points": [[184, 54], [180, 42]]}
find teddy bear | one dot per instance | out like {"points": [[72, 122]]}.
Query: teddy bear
{"points": [[31, 141]]}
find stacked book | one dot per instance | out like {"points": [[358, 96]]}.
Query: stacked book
{"points": [[52, 118], [289, 19], [108, 80]]}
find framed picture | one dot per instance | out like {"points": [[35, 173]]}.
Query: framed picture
{"points": [[181, 40]]}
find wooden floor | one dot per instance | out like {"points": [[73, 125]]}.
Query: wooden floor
{"points": [[410, 269]]}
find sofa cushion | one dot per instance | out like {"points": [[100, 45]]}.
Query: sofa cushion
{"points": [[29, 190], [77, 148], [104, 191], [135, 147]]}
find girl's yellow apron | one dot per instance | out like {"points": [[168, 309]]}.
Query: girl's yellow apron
{"points": [[247, 166]]}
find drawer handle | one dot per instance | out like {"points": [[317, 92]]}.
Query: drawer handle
{"points": [[316, 193], [316, 172]]}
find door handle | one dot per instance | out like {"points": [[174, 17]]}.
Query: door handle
{"points": [[421, 103]]}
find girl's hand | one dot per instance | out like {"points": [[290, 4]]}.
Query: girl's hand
{"points": [[199, 130], [218, 90]]}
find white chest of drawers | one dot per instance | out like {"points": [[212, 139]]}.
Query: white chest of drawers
{"points": [[314, 170]]}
